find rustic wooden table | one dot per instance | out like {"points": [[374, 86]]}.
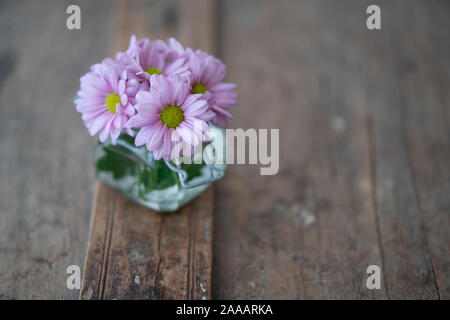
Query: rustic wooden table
{"points": [[364, 154]]}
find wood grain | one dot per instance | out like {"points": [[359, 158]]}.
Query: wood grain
{"points": [[136, 253], [410, 140], [364, 155], [363, 118], [46, 170], [133, 252], [427, 132], [308, 232]]}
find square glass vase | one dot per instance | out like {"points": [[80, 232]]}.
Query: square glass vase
{"points": [[156, 184]]}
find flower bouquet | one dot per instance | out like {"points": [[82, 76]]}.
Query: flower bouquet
{"points": [[157, 109]]}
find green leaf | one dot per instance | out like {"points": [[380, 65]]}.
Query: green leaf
{"points": [[115, 163], [157, 177], [192, 170]]}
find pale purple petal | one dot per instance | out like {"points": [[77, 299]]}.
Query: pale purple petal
{"points": [[155, 140], [139, 121], [196, 108], [143, 136]]}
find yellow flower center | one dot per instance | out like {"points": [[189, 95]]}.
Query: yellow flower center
{"points": [[171, 116], [199, 88], [111, 102], [153, 71]]}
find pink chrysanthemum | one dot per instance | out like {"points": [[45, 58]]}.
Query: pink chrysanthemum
{"points": [[104, 102], [144, 58], [136, 46], [132, 85], [168, 112], [175, 48], [206, 78]]}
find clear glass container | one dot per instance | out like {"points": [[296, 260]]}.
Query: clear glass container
{"points": [[158, 184]]}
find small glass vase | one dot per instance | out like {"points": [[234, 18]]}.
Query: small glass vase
{"points": [[157, 184]]}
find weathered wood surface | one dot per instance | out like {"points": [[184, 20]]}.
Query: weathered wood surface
{"points": [[364, 155], [133, 252], [46, 172], [410, 139], [364, 152]]}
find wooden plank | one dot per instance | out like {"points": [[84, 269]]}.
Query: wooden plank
{"points": [[421, 151], [308, 232], [427, 132], [136, 253], [397, 93], [46, 172], [364, 178], [133, 252], [364, 159]]}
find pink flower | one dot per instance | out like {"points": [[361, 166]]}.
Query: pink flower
{"points": [[136, 46], [144, 58], [206, 78], [167, 112], [104, 101], [132, 85], [175, 48]]}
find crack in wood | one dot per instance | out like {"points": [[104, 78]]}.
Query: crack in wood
{"points": [[107, 250], [372, 176], [419, 205], [158, 249]]}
